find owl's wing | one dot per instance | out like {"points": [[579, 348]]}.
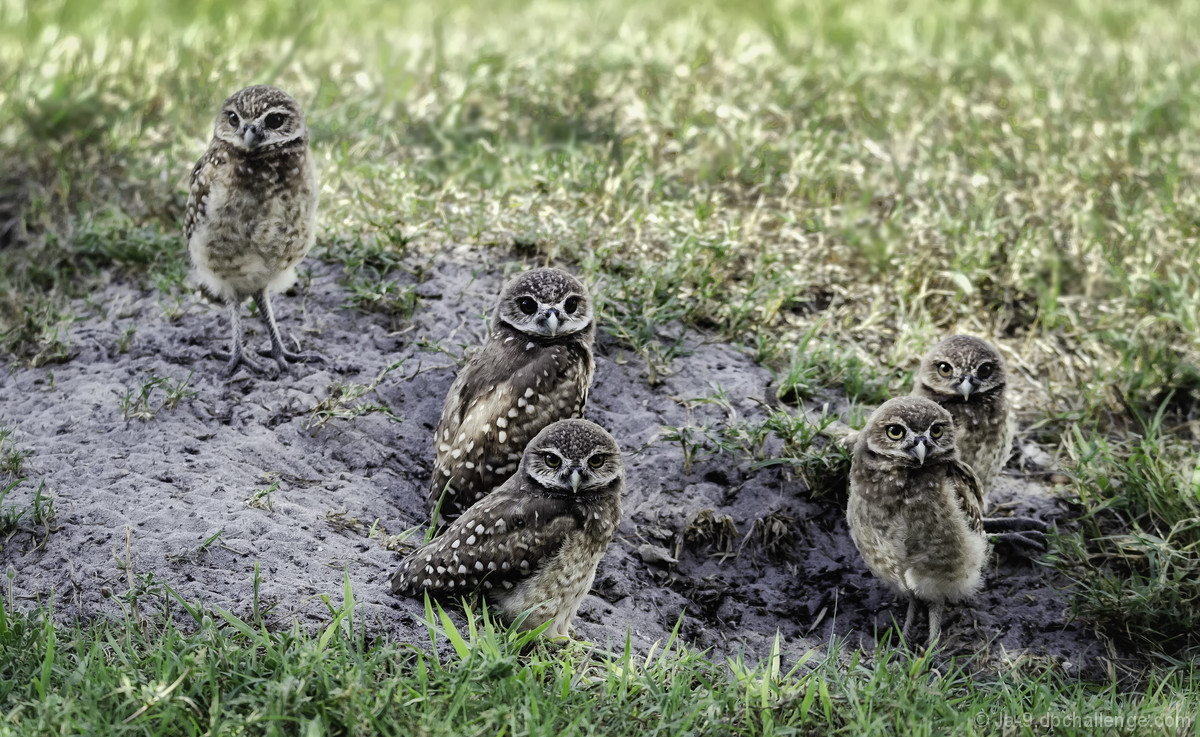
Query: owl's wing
{"points": [[198, 190], [499, 541], [968, 492], [495, 406]]}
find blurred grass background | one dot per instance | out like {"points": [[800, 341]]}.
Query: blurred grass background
{"points": [[832, 185]]}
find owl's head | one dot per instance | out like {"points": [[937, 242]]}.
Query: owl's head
{"points": [[913, 431], [961, 366], [257, 117], [549, 303], [573, 456]]}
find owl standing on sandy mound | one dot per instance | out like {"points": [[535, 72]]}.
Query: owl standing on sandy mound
{"points": [[534, 368], [536, 540], [251, 212], [915, 509]]}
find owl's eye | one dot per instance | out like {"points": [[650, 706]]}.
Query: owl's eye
{"points": [[597, 460], [985, 370], [945, 369], [527, 305], [233, 120], [551, 460], [894, 432], [274, 120], [571, 305], [935, 431]]}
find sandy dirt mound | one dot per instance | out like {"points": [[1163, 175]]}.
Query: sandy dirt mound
{"points": [[781, 561]]}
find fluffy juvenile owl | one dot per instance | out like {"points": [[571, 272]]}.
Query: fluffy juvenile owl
{"points": [[534, 368], [915, 509], [966, 376], [536, 540], [251, 212]]}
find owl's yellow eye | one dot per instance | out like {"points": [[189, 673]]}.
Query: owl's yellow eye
{"points": [[935, 431], [894, 432], [551, 460], [945, 369], [597, 460]]}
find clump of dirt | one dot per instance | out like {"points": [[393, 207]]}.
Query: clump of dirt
{"points": [[276, 474]]}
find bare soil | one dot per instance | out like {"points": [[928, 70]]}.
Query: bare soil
{"points": [[756, 553]]}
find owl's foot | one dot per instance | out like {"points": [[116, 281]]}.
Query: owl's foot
{"points": [[1025, 543], [284, 357], [239, 358], [1023, 535], [1014, 524]]}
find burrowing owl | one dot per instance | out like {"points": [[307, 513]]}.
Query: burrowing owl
{"points": [[915, 509], [251, 212], [966, 375], [536, 540], [534, 368]]}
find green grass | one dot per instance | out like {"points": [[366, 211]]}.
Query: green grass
{"points": [[144, 402], [831, 185], [222, 674]]}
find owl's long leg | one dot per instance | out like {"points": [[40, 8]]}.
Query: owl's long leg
{"points": [[278, 352], [935, 621], [237, 353], [909, 618]]}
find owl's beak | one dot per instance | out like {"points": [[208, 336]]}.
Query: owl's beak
{"points": [[552, 321], [576, 479], [919, 451], [251, 135], [966, 387]]}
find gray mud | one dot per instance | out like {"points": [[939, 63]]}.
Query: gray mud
{"points": [[179, 479]]}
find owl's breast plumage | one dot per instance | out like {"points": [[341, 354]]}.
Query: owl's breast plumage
{"points": [[250, 220]]}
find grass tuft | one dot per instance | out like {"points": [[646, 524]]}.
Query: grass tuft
{"points": [[140, 403], [1136, 555]]}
